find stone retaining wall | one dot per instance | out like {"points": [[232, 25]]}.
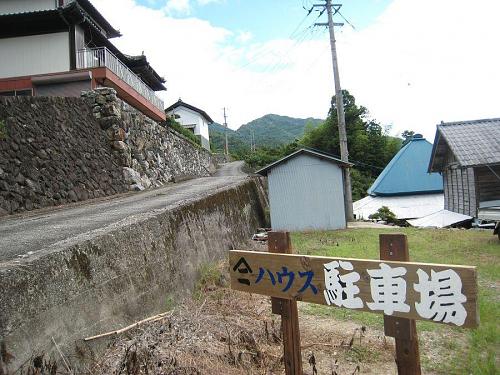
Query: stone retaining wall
{"points": [[55, 151], [150, 153], [52, 152]]}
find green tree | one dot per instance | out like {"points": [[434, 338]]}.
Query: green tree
{"points": [[407, 135], [370, 148]]}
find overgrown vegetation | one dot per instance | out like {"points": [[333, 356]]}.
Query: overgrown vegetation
{"points": [[473, 351], [210, 277], [171, 123]]}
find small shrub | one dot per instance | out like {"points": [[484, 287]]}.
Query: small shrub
{"points": [[385, 214], [210, 278], [171, 123]]}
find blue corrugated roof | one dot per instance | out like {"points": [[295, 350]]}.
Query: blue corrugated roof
{"points": [[407, 172]]}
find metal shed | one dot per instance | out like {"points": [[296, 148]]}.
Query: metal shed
{"points": [[306, 191]]}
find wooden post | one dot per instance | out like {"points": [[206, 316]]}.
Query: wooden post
{"points": [[395, 247], [279, 242]]}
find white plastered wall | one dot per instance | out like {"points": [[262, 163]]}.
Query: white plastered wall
{"points": [[36, 54], [188, 117]]}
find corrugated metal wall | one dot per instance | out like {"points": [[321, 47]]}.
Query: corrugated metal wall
{"points": [[306, 193]]}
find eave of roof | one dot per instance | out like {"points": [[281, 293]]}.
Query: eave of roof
{"points": [[140, 66], [489, 139], [180, 103], [33, 23], [99, 18], [75, 12], [320, 155]]}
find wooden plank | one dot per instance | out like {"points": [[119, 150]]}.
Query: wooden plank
{"points": [[395, 247], [280, 243], [271, 273]]}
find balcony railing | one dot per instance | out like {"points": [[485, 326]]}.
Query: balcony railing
{"points": [[102, 57]]}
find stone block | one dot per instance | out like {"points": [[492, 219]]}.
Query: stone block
{"points": [[131, 176], [120, 146]]}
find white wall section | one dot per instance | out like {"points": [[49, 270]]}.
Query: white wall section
{"points": [[37, 54]]}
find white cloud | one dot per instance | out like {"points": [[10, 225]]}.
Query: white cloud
{"points": [[420, 63], [177, 6], [205, 2], [244, 36]]}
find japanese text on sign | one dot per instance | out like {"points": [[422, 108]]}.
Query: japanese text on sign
{"points": [[444, 294]]}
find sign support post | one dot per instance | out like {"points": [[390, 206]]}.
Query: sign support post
{"points": [[279, 242], [394, 247]]}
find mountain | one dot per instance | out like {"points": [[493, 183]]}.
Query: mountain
{"points": [[270, 131], [274, 130]]}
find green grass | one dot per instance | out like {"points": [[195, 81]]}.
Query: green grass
{"points": [[479, 354], [210, 277]]}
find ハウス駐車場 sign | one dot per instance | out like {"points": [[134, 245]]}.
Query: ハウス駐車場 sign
{"points": [[433, 292]]}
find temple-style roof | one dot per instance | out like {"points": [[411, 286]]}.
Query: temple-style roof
{"points": [[406, 173], [140, 66], [98, 18], [180, 103], [57, 19]]}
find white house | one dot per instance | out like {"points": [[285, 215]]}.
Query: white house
{"points": [[192, 118]]}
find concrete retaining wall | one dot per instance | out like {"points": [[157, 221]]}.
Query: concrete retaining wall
{"points": [[120, 274]]}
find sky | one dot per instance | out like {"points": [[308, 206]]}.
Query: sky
{"points": [[411, 63]]}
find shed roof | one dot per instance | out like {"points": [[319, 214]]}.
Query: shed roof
{"points": [[407, 174], [304, 151], [473, 143], [180, 103]]}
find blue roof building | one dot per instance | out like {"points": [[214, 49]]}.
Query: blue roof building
{"points": [[405, 186], [406, 174]]}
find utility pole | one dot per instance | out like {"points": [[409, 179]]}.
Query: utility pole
{"points": [[225, 132], [344, 152]]}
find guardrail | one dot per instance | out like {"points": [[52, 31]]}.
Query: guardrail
{"points": [[102, 57]]}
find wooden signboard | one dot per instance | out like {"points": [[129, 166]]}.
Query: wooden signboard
{"points": [[440, 293], [401, 290]]}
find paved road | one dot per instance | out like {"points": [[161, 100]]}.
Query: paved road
{"points": [[33, 232], [231, 169]]}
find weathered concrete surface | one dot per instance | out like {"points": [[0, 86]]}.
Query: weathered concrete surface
{"points": [[231, 169], [24, 236], [125, 270]]}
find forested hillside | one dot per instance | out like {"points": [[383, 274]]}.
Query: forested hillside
{"points": [[370, 147], [268, 131]]}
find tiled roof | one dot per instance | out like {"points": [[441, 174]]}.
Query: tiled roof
{"points": [[472, 143], [407, 173], [180, 103]]}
